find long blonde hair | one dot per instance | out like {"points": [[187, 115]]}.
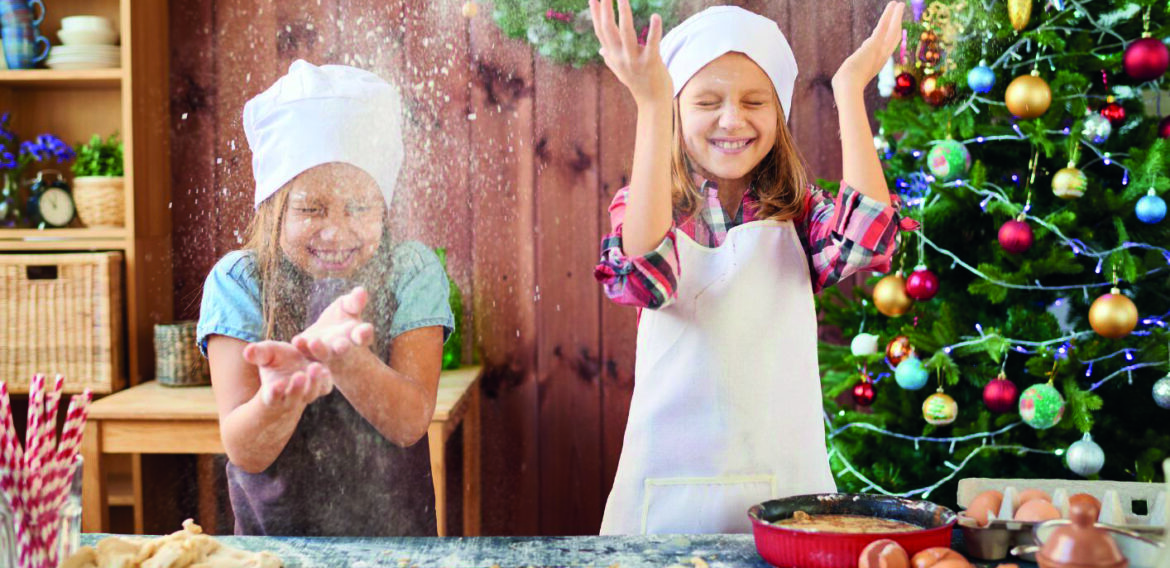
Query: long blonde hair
{"points": [[284, 288], [779, 181]]}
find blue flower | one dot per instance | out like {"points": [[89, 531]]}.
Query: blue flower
{"points": [[46, 147], [31, 148]]}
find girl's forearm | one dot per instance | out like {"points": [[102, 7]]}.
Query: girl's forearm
{"points": [[861, 169], [255, 434], [648, 209], [395, 404]]}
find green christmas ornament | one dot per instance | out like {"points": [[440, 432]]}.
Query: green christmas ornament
{"points": [[940, 409], [948, 160], [1041, 406]]}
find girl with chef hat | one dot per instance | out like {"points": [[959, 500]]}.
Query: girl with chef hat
{"points": [[324, 337], [722, 241]]}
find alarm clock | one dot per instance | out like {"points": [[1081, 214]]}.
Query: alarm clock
{"points": [[50, 204]]}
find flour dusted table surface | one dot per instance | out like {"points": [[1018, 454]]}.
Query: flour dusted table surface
{"points": [[154, 419], [482, 552]]}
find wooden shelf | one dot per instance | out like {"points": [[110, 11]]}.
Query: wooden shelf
{"points": [[63, 239], [60, 78]]}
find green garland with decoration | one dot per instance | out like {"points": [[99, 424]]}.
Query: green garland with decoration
{"points": [[562, 30]]}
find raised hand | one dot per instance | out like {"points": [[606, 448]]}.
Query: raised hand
{"points": [[864, 64], [287, 378], [640, 68], [337, 330]]}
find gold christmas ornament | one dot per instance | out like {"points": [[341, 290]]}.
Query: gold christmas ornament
{"points": [[1020, 12], [1113, 315], [1028, 96], [470, 9], [1069, 183], [890, 295], [940, 409]]}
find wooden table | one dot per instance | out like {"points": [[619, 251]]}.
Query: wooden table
{"points": [[682, 551], [153, 419]]}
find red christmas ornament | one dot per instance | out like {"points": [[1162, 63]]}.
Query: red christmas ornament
{"points": [[1114, 112], [863, 393], [1146, 59], [905, 85], [898, 349], [935, 93], [1164, 128], [1015, 236], [922, 284], [1000, 395]]}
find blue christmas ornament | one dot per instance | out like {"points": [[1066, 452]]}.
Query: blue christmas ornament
{"points": [[911, 374], [981, 78], [1151, 208]]}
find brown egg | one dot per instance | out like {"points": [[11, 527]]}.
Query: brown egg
{"points": [[931, 557], [1088, 500], [1031, 494], [1037, 510], [984, 504], [884, 553]]}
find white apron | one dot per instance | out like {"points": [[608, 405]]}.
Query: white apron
{"points": [[727, 410]]}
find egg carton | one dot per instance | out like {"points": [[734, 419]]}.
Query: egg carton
{"points": [[1118, 499], [1002, 533]]}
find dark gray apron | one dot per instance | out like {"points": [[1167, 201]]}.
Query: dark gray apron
{"points": [[337, 476]]}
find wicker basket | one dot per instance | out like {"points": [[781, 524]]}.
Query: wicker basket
{"points": [[178, 362], [101, 201], [62, 313]]}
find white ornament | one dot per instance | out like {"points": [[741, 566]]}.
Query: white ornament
{"points": [[1085, 457], [864, 344], [886, 78]]}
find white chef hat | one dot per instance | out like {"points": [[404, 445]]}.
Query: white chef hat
{"points": [[317, 115], [706, 36]]}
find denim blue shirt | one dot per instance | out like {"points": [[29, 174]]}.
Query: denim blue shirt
{"points": [[231, 296]]}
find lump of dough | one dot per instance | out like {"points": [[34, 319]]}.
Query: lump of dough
{"points": [[187, 548]]}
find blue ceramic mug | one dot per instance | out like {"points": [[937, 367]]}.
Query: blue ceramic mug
{"points": [[24, 46]]}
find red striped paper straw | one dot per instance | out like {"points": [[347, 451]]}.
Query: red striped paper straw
{"points": [[32, 486], [36, 410], [74, 430], [25, 544], [9, 445], [63, 465], [49, 468], [49, 425]]}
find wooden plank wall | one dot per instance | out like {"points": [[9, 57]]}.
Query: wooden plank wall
{"points": [[512, 161]]}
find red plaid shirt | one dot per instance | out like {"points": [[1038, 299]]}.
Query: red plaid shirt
{"points": [[840, 236]]}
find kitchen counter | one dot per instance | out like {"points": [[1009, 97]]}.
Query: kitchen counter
{"points": [[693, 551]]}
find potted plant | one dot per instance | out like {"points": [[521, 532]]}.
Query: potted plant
{"points": [[98, 186]]}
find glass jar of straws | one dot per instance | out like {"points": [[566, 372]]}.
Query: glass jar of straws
{"points": [[40, 481], [51, 531]]}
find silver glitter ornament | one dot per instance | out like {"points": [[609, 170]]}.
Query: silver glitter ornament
{"points": [[1096, 129], [1162, 392]]}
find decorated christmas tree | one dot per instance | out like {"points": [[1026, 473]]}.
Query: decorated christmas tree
{"points": [[1023, 333]]}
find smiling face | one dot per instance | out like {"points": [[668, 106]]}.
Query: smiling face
{"points": [[728, 115], [333, 223]]}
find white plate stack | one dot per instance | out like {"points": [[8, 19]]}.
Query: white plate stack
{"points": [[88, 42]]}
